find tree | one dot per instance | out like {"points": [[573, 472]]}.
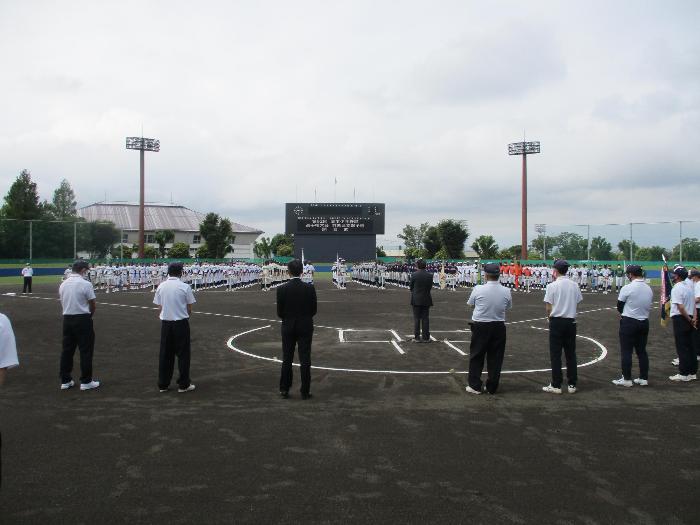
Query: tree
{"points": [[413, 238], [179, 250], [485, 246], [120, 249], [624, 247], [163, 237], [22, 199], [285, 250], [263, 248], [442, 254], [544, 242], [512, 252], [601, 249], [98, 238], [651, 253], [218, 234], [431, 242], [691, 250], [571, 246], [64, 206], [452, 234], [380, 251], [282, 241], [149, 252]]}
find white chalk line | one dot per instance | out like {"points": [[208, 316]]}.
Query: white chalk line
{"points": [[603, 354], [604, 351], [232, 316]]}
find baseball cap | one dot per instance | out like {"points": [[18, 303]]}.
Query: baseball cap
{"points": [[681, 272], [634, 269], [492, 269], [562, 265]]}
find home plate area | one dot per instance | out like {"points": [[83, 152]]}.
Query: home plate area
{"points": [[392, 351]]}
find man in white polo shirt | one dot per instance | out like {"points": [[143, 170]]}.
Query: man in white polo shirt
{"points": [[695, 277], [561, 299], [175, 299], [8, 348], [27, 273], [8, 359], [490, 302], [78, 303], [682, 312], [634, 304]]}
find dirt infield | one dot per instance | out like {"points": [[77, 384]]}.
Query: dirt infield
{"points": [[389, 436]]}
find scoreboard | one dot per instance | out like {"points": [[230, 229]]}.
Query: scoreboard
{"points": [[318, 218]]}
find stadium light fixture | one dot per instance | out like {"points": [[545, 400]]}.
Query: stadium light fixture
{"points": [[142, 144], [524, 149], [542, 229]]}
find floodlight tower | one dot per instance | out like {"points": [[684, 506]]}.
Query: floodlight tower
{"points": [[524, 149], [142, 145], [542, 229]]}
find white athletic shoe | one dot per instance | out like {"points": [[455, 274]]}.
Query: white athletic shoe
{"points": [[188, 389], [692, 377], [675, 362], [90, 385], [69, 384], [623, 382], [472, 391], [679, 377], [640, 382], [572, 389], [551, 390]]}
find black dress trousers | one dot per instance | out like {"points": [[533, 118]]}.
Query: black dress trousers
{"points": [[174, 342], [633, 338], [562, 335], [77, 331], [296, 333], [489, 342]]}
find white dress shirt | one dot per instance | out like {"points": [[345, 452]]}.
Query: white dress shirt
{"points": [[637, 297], [490, 302], [27, 271], [563, 294], [75, 292], [173, 296], [8, 346]]}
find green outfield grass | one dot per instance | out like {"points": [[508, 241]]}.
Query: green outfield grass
{"points": [[37, 279]]}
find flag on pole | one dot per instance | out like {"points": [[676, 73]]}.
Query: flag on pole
{"points": [[665, 300]]}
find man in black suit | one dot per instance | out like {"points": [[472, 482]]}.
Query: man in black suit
{"points": [[421, 283], [296, 306]]}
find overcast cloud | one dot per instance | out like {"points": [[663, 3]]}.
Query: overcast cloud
{"points": [[409, 103]]}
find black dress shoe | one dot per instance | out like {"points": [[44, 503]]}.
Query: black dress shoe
{"points": [[284, 395], [306, 396]]}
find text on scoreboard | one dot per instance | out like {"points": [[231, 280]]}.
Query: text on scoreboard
{"points": [[336, 218]]}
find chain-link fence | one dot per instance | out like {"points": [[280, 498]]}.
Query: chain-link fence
{"points": [[55, 240]]}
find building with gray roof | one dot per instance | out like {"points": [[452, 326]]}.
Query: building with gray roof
{"points": [[181, 220]]}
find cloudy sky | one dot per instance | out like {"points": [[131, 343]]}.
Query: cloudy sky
{"points": [[409, 103]]}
